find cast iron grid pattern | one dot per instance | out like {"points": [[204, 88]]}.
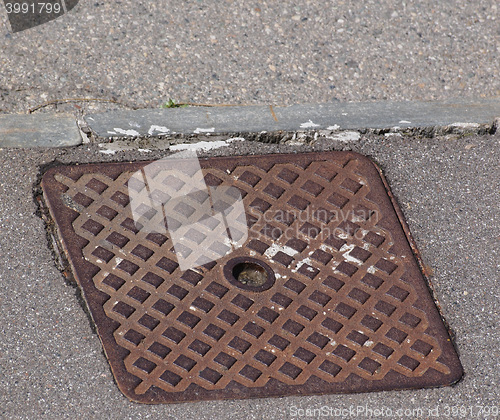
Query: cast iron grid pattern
{"points": [[342, 304]]}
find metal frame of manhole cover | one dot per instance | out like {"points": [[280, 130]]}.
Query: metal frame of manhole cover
{"points": [[342, 305]]}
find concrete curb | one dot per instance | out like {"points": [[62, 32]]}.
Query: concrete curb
{"points": [[256, 119], [39, 130], [62, 130]]}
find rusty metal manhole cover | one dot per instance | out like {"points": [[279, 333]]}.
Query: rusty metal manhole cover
{"points": [[320, 294]]}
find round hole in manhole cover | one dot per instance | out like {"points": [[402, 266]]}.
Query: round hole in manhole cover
{"points": [[249, 274]]}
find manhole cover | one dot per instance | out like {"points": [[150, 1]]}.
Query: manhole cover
{"points": [[312, 288]]}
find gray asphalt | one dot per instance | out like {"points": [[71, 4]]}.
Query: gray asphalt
{"points": [[51, 362], [141, 53]]}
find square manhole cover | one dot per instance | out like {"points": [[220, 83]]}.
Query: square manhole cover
{"points": [[252, 276]]}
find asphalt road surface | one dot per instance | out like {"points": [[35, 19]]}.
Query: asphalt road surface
{"points": [[141, 53], [51, 361]]}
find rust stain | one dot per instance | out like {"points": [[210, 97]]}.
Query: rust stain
{"points": [[273, 113]]}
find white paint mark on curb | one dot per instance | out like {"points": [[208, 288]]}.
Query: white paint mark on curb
{"points": [[159, 129], [465, 125], [205, 145], [308, 124], [333, 127], [204, 130], [126, 132], [404, 122]]}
